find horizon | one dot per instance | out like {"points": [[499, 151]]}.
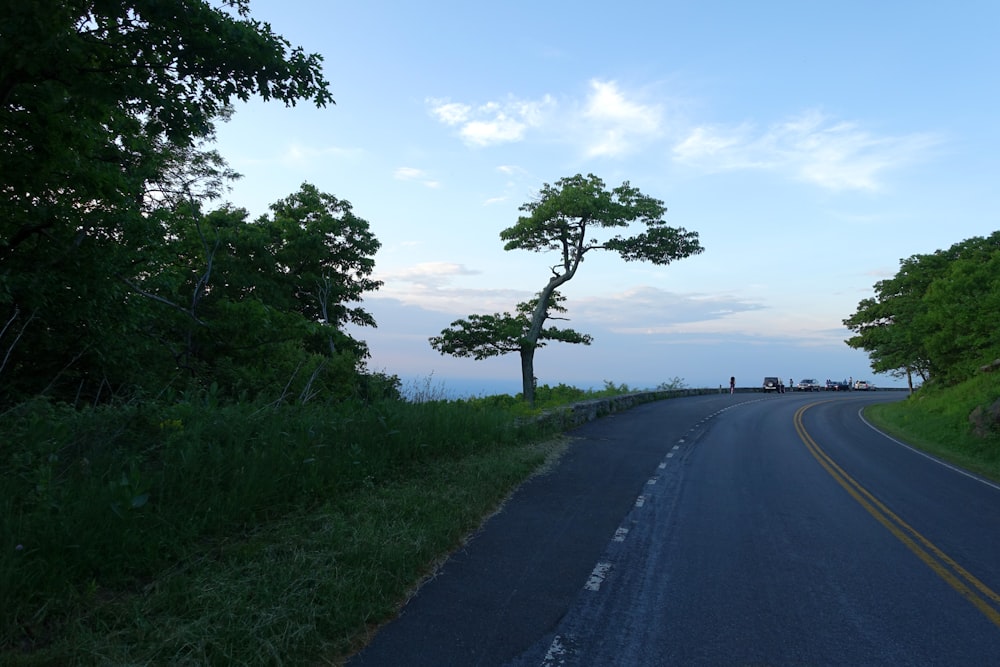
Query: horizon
{"points": [[809, 169]]}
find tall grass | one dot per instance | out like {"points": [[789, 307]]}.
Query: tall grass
{"points": [[108, 510], [938, 421]]}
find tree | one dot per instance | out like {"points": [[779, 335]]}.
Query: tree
{"points": [[485, 336], [937, 317], [98, 101], [246, 305], [566, 218], [962, 313], [89, 92], [883, 325]]}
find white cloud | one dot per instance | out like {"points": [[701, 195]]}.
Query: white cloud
{"points": [[498, 130], [615, 123], [612, 121], [428, 285], [450, 113], [494, 122], [411, 174], [428, 274], [645, 309], [810, 147], [608, 122]]}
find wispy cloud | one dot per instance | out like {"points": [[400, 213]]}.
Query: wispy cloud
{"points": [[616, 123], [811, 147], [411, 174], [297, 155], [647, 309], [493, 122], [428, 275], [430, 285], [608, 121]]}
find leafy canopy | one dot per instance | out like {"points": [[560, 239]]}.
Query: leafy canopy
{"points": [[113, 278], [937, 317], [568, 218], [565, 216], [485, 336]]}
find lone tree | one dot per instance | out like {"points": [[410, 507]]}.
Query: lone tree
{"points": [[485, 336], [565, 218]]}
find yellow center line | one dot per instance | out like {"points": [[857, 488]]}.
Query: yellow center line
{"points": [[944, 566]]}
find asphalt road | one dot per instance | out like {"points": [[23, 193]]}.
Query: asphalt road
{"points": [[722, 530]]}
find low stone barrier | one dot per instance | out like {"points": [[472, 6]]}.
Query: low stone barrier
{"points": [[585, 411]]}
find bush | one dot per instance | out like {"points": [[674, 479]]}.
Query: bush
{"points": [[102, 498]]}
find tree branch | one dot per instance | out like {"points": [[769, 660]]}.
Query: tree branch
{"points": [[160, 299]]}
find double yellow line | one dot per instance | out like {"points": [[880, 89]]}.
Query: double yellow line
{"points": [[975, 591]]}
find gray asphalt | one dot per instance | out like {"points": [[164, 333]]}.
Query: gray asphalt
{"points": [[703, 531]]}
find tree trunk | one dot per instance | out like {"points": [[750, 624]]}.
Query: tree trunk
{"points": [[528, 374]]}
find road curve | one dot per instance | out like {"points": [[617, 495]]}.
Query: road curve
{"points": [[722, 530]]}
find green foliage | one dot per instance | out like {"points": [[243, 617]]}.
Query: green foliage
{"points": [[251, 306], [548, 397], [937, 317], [197, 531], [265, 300], [674, 384], [96, 501], [567, 218], [484, 336], [938, 420], [564, 215], [105, 256]]}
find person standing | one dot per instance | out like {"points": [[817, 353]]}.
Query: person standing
{"points": [[732, 384]]}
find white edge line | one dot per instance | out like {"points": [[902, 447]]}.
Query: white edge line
{"points": [[913, 449]]}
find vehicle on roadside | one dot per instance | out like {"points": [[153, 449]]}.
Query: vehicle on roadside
{"points": [[807, 385], [838, 385], [773, 384], [862, 385]]}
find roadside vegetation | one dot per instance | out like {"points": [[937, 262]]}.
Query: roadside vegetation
{"points": [[956, 423], [199, 531], [197, 466], [937, 322]]}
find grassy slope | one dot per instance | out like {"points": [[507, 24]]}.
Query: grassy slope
{"points": [[937, 421]]}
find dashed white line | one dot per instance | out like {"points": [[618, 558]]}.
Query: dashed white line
{"points": [[597, 576], [556, 653]]}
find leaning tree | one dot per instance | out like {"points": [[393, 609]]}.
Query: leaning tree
{"points": [[485, 336], [568, 218]]}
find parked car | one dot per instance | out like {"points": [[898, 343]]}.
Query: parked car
{"points": [[807, 385], [862, 385], [773, 384], [838, 385]]}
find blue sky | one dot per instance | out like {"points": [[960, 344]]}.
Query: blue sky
{"points": [[811, 145]]}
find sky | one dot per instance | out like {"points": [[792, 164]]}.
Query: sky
{"points": [[812, 146]]}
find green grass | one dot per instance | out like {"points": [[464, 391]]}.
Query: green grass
{"points": [[206, 534], [937, 421], [305, 588]]}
